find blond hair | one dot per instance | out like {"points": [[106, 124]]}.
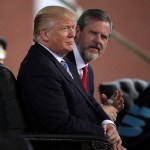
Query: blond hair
{"points": [[45, 18]]}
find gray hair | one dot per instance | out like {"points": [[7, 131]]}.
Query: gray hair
{"points": [[97, 14]]}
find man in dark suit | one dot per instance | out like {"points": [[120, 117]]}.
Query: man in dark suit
{"points": [[10, 116], [93, 30], [52, 98]]}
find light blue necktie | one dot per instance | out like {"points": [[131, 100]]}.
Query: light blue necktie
{"points": [[65, 65]]}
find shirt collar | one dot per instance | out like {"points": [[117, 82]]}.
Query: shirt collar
{"points": [[54, 54], [79, 61]]}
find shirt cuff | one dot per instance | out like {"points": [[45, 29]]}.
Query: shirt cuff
{"points": [[107, 122]]}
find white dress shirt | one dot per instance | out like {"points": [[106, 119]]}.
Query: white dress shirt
{"points": [[79, 61]]}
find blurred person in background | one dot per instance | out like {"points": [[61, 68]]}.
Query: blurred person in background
{"points": [[3, 47], [9, 140]]}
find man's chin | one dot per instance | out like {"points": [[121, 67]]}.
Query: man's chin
{"points": [[93, 56], [70, 48]]}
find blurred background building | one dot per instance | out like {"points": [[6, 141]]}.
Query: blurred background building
{"points": [[127, 54]]}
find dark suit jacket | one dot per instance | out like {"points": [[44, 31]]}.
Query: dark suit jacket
{"points": [[71, 58], [10, 116], [53, 101]]}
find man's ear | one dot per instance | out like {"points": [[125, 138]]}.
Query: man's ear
{"points": [[78, 31], [44, 35]]}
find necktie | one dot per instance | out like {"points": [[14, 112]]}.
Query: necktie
{"points": [[65, 65], [85, 78]]}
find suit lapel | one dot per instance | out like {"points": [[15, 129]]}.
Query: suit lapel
{"points": [[70, 59], [76, 81], [50, 57]]}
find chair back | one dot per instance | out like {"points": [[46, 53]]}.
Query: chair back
{"points": [[131, 88]]}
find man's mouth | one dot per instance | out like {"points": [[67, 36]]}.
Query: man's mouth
{"points": [[94, 49], [70, 43]]}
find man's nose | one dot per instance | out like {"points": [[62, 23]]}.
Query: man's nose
{"points": [[72, 32], [98, 38]]}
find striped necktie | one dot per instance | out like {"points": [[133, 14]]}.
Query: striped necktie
{"points": [[65, 65]]}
